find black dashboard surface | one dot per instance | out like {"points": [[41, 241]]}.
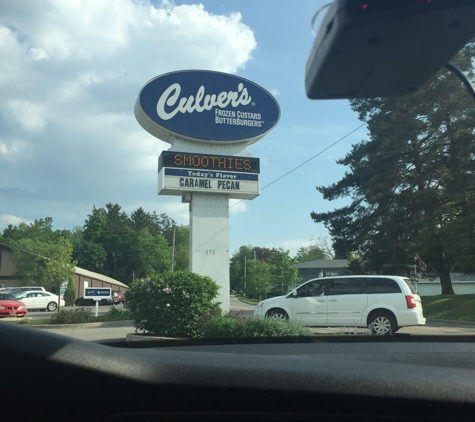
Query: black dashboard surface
{"points": [[60, 378]]}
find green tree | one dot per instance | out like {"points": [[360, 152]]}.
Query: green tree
{"points": [[237, 270], [41, 230], [412, 184], [309, 253], [59, 267], [30, 257], [150, 254], [90, 256], [141, 219], [258, 280], [282, 274], [162, 224], [182, 248], [41, 263], [95, 225]]}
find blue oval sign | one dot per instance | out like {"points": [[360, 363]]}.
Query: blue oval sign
{"points": [[206, 106]]}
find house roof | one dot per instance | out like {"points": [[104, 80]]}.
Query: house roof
{"points": [[323, 263], [100, 277]]}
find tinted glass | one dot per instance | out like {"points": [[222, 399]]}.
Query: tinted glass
{"points": [[345, 286], [411, 287], [381, 285], [314, 288]]}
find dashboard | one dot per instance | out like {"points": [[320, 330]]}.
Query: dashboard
{"points": [[330, 378]]}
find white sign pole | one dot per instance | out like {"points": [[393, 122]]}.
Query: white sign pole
{"points": [[209, 241], [97, 308]]}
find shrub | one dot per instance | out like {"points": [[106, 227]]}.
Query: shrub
{"points": [[116, 314], [222, 327], [78, 316], [174, 305], [230, 325], [70, 293]]}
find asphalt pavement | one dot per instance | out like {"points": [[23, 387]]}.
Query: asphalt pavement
{"points": [[118, 330]]}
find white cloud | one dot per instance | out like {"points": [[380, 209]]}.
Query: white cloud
{"points": [[28, 113], [179, 211], [5, 220], [11, 149], [275, 92], [37, 54], [292, 245], [70, 74], [237, 206]]}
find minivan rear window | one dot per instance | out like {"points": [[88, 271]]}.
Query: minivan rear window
{"points": [[409, 284]]}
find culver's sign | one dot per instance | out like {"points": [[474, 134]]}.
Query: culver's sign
{"points": [[206, 106]]}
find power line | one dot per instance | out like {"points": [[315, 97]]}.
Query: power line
{"points": [[310, 159]]}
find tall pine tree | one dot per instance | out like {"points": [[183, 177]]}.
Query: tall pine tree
{"points": [[412, 184]]}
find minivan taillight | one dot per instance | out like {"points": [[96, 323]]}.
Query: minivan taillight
{"points": [[410, 301]]}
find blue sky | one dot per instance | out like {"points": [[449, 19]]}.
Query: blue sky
{"points": [[69, 76]]}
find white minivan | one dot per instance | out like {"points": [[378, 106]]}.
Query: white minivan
{"points": [[381, 303]]}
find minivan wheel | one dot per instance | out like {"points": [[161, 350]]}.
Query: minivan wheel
{"points": [[52, 306], [382, 324], [278, 315]]}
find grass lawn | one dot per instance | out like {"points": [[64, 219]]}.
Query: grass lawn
{"points": [[247, 300], [452, 307]]}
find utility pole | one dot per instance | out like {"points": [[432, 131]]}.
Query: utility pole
{"points": [[173, 248], [245, 269]]}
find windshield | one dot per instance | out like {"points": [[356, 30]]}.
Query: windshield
{"points": [[256, 202]]}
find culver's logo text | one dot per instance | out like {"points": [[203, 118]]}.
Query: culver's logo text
{"points": [[200, 102]]}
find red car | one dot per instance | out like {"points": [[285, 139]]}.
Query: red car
{"points": [[117, 296], [10, 307]]}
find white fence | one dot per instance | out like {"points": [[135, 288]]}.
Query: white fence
{"points": [[463, 284]]}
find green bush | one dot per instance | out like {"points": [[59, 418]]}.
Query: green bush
{"points": [[222, 326], [116, 314], [70, 293], [174, 305], [230, 325], [78, 316]]}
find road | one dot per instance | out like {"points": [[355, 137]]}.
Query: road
{"points": [[119, 330], [238, 306]]}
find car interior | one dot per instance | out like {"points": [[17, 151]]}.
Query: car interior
{"points": [[324, 378]]}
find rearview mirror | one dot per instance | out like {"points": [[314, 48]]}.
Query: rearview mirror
{"points": [[375, 48]]}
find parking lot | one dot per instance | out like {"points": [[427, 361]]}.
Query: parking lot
{"points": [[45, 314]]}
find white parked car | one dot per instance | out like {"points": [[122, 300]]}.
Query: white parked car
{"points": [[382, 303], [16, 290], [39, 300]]}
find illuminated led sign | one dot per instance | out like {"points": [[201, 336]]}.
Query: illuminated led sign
{"points": [[173, 159]]}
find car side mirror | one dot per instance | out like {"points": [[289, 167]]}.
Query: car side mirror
{"points": [[294, 293]]}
